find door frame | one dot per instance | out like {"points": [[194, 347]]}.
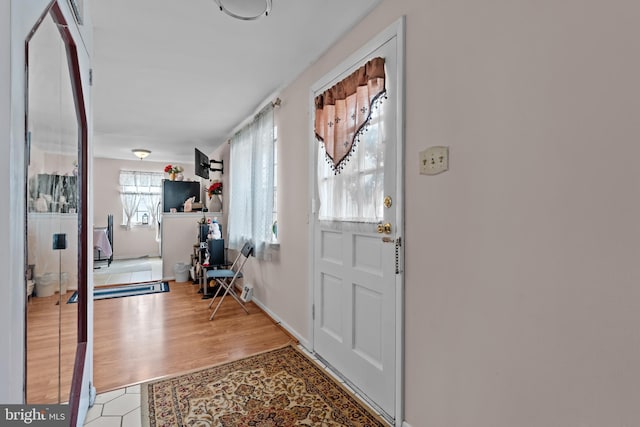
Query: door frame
{"points": [[397, 30]]}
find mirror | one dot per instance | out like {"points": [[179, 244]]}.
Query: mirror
{"points": [[52, 217]]}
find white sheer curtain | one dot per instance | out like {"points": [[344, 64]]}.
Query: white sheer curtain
{"points": [[251, 184], [140, 190], [356, 193]]}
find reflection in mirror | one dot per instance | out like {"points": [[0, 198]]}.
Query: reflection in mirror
{"points": [[52, 219]]}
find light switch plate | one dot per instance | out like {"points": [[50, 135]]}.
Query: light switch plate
{"points": [[434, 160]]}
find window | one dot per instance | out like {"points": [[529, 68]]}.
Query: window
{"points": [[350, 127], [252, 184], [140, 194], [356, 193]]}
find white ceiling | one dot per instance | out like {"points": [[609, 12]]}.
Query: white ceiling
{"points": [[171, 75]]}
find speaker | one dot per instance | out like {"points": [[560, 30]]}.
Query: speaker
{"points": [[247, 293], [203, 232]]}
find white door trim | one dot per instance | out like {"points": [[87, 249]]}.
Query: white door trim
{"points": [[397, 30]]}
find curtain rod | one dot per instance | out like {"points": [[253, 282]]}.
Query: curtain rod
{"points": [[273, 104]]}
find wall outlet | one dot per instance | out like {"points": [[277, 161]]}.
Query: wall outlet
{"points": [[434, 160]]}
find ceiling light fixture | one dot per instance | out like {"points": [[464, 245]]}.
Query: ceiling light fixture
{"points": [[140, 153], [248, 15]]}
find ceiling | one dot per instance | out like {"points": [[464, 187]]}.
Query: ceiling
{"points": [[171, 75]]}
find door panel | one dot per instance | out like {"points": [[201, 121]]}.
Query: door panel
{"points": [[367, 316], [331, 314], [355, 263]]}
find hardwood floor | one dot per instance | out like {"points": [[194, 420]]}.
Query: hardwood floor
{"points": [[42, 348], [143, 337]]}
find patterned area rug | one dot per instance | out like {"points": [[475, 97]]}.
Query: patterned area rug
{"points": [[278, 388]]}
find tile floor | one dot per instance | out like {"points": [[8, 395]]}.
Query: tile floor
{"points": [[128, 271], [121, 408], [118, 408]]}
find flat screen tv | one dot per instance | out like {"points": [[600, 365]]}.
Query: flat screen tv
{"points": [[202, 164], [175, 193]]}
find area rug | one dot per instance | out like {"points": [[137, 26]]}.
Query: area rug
{"points": [[125, 291], [281, 387]]}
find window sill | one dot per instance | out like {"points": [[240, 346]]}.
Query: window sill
{"points": [[137, 226]]}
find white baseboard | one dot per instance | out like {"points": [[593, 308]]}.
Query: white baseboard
{"points": [[282, 323], [405, 424]]}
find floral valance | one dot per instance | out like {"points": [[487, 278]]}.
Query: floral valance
{"points": [[343, 111]]}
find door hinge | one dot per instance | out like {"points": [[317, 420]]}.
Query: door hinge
{"points": [[90, 76], [313, 311]]}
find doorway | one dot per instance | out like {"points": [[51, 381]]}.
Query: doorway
{"points": [[357, 236]]}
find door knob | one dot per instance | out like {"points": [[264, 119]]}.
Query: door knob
{"points": [[384, 228]]}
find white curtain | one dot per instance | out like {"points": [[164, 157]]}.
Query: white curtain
{"points": [[140, 189], [356, 193], [251, 184]]}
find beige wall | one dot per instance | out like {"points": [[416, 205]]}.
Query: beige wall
{"points": [[521, 271]]}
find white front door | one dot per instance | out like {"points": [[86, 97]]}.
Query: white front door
{"points": [[356, 271]]}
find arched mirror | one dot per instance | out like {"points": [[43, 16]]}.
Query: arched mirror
{"points": [[56, 196]]}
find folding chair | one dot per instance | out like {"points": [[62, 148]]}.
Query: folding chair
{"points": [[226, 278], [214, 258]]}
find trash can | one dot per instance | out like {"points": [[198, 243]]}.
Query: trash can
{"points": [[46, 285], [181, 271]]}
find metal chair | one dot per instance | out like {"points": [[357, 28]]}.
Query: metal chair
{"points": [[226, 278], [214, 257]]}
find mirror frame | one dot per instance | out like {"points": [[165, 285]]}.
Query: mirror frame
{"points": [[77, 6], [78, 94]]}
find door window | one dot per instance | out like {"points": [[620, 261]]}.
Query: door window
{"points": [[356, 193]]}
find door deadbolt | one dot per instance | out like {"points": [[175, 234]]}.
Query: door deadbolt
{"points": [[387, 202], [384, 228]]}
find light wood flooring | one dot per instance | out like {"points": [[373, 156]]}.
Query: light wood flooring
{"points": [[143, 337]]}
